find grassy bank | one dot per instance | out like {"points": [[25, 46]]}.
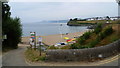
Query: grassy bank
{"points": [[98, 37], [34, 55]]}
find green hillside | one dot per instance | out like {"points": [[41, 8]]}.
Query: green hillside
{"points": [[92, 22], [98, 37]]}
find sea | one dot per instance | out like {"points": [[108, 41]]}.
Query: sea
{"points": [[44, 29]]}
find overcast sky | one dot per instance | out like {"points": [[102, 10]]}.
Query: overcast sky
{"points": [[38, 11]]}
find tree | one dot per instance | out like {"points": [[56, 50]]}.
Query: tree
{"points": [[75, 19], [107, 18], [10, 27], [70, 19]]}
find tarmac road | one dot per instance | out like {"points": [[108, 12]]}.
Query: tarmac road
{"points": [[15, 57]]}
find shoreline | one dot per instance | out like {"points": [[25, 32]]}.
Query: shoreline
{"points": [[55, 38]]}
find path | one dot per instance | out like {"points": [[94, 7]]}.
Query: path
{"points": [[15, 57]]}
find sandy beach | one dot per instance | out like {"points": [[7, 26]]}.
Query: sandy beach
{"points": [[53, 39]]}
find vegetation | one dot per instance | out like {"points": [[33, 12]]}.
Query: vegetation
{"points": [[95, 38], [84, 37], [65, 47], [10, 27], [34, 55], [98, 28], [79, 22], [52, 47]]}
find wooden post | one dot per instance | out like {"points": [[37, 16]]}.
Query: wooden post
{"points": [[35, 41], [40, 47]]}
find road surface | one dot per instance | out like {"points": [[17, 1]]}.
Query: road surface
{"points": [[15, 57]]}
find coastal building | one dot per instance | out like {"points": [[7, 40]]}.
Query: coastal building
{"points": [[103, 18], [114, 18]]}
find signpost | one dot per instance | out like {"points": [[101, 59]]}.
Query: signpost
{"points": [[33, 40], [40, 42]]}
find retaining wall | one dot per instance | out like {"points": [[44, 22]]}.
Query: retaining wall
{"points": [[83, 54]]}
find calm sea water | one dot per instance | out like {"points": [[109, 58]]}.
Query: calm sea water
{"points": [[43, 29]]}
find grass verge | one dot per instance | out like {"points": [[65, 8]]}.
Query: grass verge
{"points": [[34, 55]]}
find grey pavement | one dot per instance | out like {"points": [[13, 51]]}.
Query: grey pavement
{"points": [[15, 57]]}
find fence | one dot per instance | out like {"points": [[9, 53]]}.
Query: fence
{"points": [[84, 54]]}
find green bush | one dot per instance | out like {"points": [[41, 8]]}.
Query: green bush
{"points": [[86, 35], [98, 28], [74, 46], [81, 40], [52, 47], [114, 38], [101, 36], [108, 30], [42, 58], [93, 43], [11, 27], [65, 47]]}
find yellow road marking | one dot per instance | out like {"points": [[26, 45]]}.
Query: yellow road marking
{"points": [[108, 60]]}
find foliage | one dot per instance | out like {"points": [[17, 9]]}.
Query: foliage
{"points": [[52, 47], [75, 19], [74, 46], [100, 36], [65, 47], [70, 19], [98, 28], [33, 55], [118, 21], [108, 30], [114, 38], [81, 40], [42, 58], [11, 27], [84, 37], [93, 43]]}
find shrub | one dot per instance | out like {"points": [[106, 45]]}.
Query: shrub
{"points": [[108, 30], [86, 35], [98, 28], [42, 58], [114, 38], [101, 36], [81, 40], [52, 47], [74, 46], [65, 47], [93, 43]]}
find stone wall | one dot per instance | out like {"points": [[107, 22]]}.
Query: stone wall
{"points": [[84, 54]]}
